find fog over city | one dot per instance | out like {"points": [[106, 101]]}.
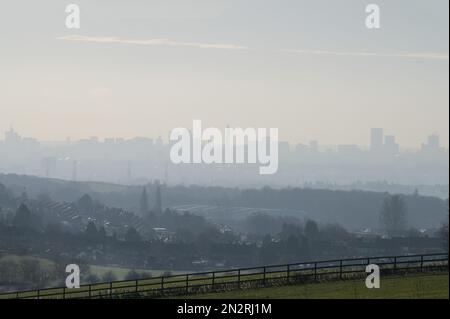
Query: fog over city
{"points": [[237, 145], [143, 159]]}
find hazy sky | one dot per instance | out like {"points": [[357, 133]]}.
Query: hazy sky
{"points": [[143, 67]]}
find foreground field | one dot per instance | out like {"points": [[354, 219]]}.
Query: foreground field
{"points": [[405, 287], [304, 280]]}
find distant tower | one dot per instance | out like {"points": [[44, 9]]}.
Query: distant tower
{"points": [[376, 139], [433, 141], [158, 202], [390, 145], [143, 204]]}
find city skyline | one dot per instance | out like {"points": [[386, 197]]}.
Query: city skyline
{"points": [[382, 140], [146, 68]]}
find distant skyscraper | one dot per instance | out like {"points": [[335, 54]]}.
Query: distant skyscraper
{"points": [[314, 146], [143, 203], [12, 137], [433, 141], [376, 139], [158, 200], [390, 145], [432, 144]]}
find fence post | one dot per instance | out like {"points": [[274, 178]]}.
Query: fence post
{"points": [[264, 276], [90, 291], [421, 263], [395, 264], [110, 290], [187, 283], [38, 293], [315, 271], [64, 292], [213, 279], [340, 269], [162, 284], [288, 273], [239, 279]]}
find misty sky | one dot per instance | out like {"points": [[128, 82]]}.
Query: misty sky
{"points": [[143, 67]]}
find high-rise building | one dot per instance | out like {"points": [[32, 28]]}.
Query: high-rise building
{"points": [[433, 141], [12, 137], [143, 204], [376, 139], [158, 201], [432, 144], [390, 145]]}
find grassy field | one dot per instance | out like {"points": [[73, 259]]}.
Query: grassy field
{"points": [[413, 282], [405, 287], [119, 272]]}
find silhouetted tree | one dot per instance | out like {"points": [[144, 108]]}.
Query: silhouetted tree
{"points": [[86, 203], [22, 218], [109, 276], [143, 203], [92, 279], [393, 215], [132, 275], [91, 231], [132, 235], [311, 230]]}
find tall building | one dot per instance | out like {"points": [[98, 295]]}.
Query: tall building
{"points": [[432, 144], [12, 137], [433, 141], [158, 201], [376, 139], [143, 203], [390, 145]]}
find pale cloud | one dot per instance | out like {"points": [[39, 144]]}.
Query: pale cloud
{"points": [[150, 42], [410, 55]]}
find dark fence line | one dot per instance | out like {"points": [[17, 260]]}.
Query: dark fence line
{"points": [[210, 281]]}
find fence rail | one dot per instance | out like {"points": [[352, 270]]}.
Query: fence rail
{"points": [[240, 278]]}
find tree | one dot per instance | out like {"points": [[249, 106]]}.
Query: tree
{"points": [[444, 232], [311, 230], [132, 275], [22, 218], [102, 232], [143, 203], [393, 215], [91, 231], [444, 235], [8, 271], [86, 203], [132, 235], [33, 273], [92, 279], [109, 276]]}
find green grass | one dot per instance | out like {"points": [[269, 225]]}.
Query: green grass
{"points": [[417, 286], [405, 287], [121, 272]]}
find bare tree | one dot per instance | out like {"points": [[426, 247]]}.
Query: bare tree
{"points": [[393, 215]]}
